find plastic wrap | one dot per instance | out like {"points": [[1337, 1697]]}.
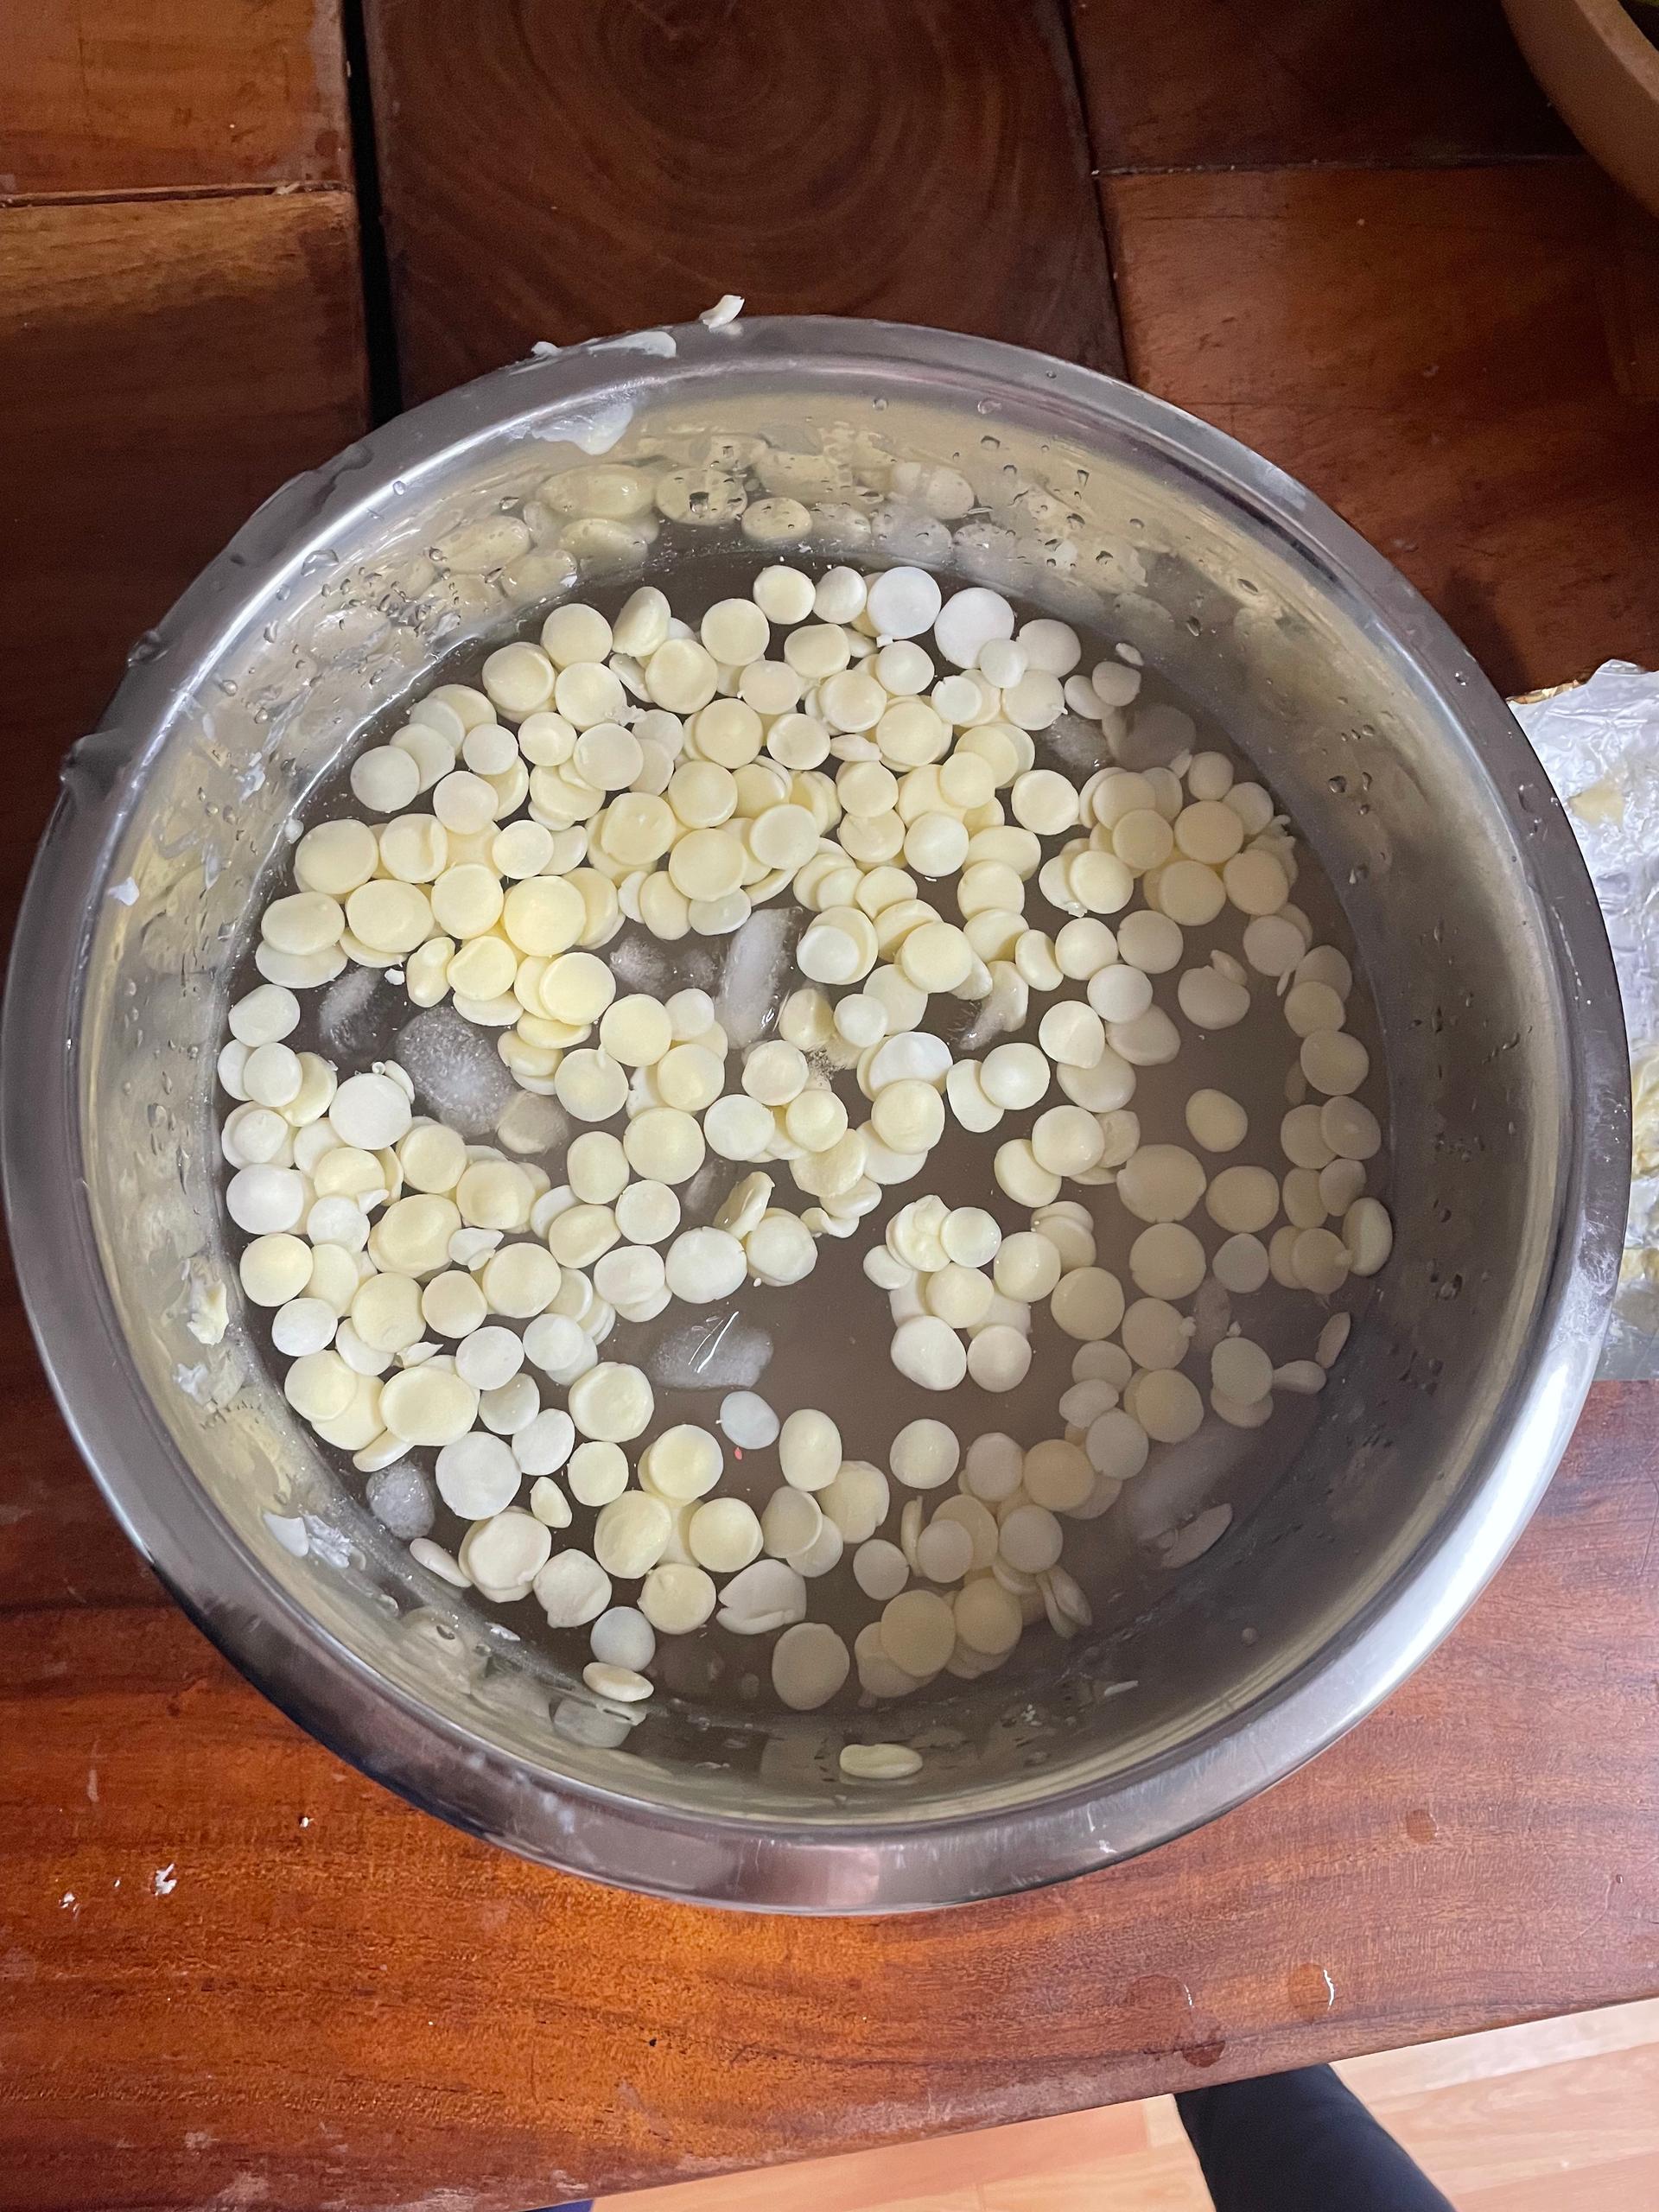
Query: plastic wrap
{"points": [[1600, 743]]}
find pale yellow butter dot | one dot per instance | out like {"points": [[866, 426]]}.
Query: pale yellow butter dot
{"points": [[736, 631], [929, 1354], [809, 1450], [545, 915], [272, 1074], [309, 921], [521, 1281], [575, 632], [274, 1268], [918, 1631], [588, 693], [636, 1031], [879, 1762], [1208, 831], [612, 1402], [1216, 1121], [1059, 1476], [816, 1119], [607, 756], [810, 1663], [591, 1086], [596, 1167], [1190, 893], [336, 857], [690, 1075], [1100, 882], [775, 1072], [1334, 1063], [677, 1598], [682, 675], [415, 848], [908, 1116], [1015, 1076], [578, 1236], [664, 1144], [387, 1313], [707, 863], [494, 1194], [1368, 1233], [576, 988], [452, 1304], [428, 1405], [987, 1617], [623, 1685], [1044, 801], [320, 1386], [1087, 1304], [683, 1463], [412, 1236], [1167, 1260], [631, 1535], [1162, 1182], [466, 900], [639, 827], [936, 957], [389, 916], [784, 836], [1067, 1141], [484, 967], [517, 679], [1256, 883], [465, 803]]}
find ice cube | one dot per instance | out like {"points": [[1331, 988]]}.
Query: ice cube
{"points": [[753, 982], [457, 1072], [721, 1351], [354, 1015]]}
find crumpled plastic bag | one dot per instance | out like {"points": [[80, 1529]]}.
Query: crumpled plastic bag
{"points": [[1599, 744]]}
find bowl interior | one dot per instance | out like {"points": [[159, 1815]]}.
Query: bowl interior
{"points": [[336, 603]]}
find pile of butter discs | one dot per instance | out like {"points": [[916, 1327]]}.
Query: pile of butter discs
{"points": [[433, 1295]]}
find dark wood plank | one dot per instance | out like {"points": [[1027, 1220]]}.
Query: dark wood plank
{"points": [[166, 363], [117, 96], [340, 2001], [1631, 303], [1426, 349], [561, 172], [59, 1543], [1206, 83]]}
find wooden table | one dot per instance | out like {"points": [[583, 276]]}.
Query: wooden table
{"points": [[232, 1971]]}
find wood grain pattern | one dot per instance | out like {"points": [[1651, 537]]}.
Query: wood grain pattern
{"points": [[59, 1543], [1631, 303], [604, 164], [342, 2001], [233, 1969], [121, 96], [166, 364], [1575, 2100], [1425, 350], [1210, 84]]}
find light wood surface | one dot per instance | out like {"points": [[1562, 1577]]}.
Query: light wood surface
{"points": [[1551, 2113]]}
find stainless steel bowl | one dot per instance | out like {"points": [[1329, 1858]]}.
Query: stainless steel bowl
{"points": [[1464, 891]]}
